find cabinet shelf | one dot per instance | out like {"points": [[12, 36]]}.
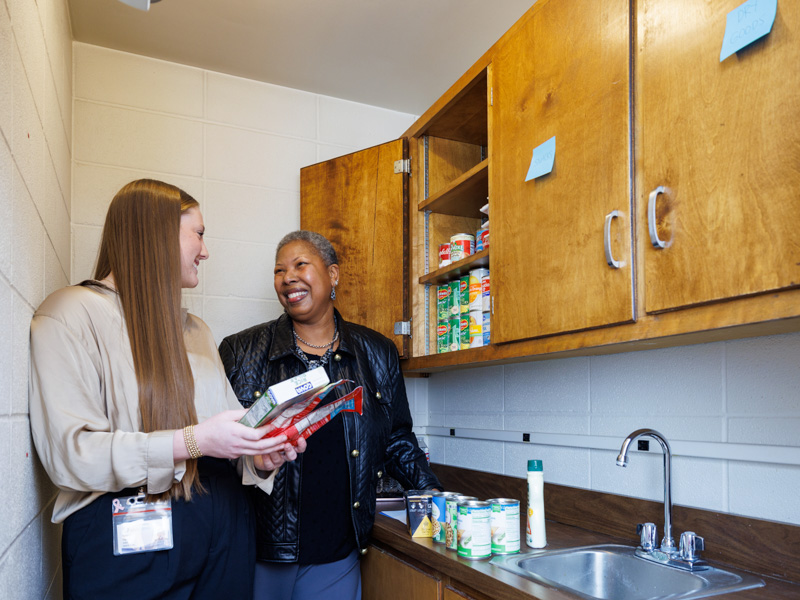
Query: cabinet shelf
{"points": [[464, 196], [457, 269], [462, 115]]}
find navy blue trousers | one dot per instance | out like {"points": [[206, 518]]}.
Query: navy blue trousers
{"points": [[213, 554]]}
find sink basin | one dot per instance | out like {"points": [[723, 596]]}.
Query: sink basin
{"points": [[614, 572]]}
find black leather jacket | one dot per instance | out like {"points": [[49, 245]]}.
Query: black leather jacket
{"points": [[378, 441]]}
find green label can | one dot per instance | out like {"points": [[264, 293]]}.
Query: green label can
{"points": [[463, 286], [442, 337], [454, 335], [455, 298], [464, 332], [443, 302], [474, 529], [505, 525]]}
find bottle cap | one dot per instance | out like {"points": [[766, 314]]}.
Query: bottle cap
{"points": [[535, 465]]}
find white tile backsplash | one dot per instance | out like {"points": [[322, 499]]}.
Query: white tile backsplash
{"points": [[542, 387], [763, 375], [769, 431], [673, 381], [765, 491], [702, 393]]}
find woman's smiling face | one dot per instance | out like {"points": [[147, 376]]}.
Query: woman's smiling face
{"points": [[303, 282], [193, 247]]}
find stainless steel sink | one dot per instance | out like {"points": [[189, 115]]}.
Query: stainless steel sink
{"points": [[614, 572]]}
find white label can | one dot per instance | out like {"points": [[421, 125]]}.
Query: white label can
{"points": [[474, 529], [505, 525], [461, 246], [475, 293]]}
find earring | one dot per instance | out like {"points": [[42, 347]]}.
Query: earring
{"points": [[333, 293]]}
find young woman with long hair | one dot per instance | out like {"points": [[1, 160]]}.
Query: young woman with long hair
{"points": [[134, 420]]}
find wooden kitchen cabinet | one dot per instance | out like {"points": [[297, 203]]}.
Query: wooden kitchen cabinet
{"points": [[722, 139], [637, 100], [359, 202], [385, 576], [564, 74]]}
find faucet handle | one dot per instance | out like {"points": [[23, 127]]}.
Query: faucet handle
{"points": [[691, 545], [647, 536]]}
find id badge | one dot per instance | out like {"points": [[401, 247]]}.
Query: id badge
{"points": [[141, 526]]}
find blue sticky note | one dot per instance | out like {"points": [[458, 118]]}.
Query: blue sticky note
{"points": [[542, 161], [747, 23]]}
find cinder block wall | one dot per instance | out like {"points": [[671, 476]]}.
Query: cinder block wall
{"points": [[35, 171], [236, 145]]}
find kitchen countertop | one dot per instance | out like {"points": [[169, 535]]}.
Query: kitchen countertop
{"points": [[495, 582]]}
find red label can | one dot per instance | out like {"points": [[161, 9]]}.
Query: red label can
{"points": [[444, 255]]}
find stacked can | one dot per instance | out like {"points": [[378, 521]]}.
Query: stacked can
{"points": [[476, 307], [486, 297], [446, 335]]}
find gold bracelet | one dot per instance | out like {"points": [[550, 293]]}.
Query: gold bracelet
{"points": [[191, 442]]}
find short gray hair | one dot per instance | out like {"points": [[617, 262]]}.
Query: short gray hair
{"points": [[318, 241]]}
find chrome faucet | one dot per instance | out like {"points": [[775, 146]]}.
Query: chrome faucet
{"points": [[668, 542], [688, 556]]}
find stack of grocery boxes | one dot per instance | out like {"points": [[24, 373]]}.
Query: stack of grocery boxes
{"points": [[463, 312]]}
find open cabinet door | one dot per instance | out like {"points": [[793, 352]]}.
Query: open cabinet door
{"points": [[360, 204]]}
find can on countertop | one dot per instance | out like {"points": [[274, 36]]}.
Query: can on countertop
{"points": [[444, 254], [461, 246], [505, 525], [451, 519], [474, 529], [419, 512], [439, 515]]}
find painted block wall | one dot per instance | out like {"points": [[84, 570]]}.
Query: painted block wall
{"points": [[740, 392], [35, 183], [236, 145]]}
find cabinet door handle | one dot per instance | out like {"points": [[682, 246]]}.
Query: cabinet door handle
{"points": [[651, 218], [615, 264]]}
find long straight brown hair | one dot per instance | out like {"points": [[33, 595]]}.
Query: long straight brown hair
{"points": [[141, 248]]}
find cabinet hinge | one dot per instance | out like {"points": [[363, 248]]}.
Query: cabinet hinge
{"points": [[402, 166], [402, 328]]}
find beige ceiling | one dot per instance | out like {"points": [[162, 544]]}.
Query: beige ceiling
{"points": [[400, 55]]}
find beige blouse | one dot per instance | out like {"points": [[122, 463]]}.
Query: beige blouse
{"points": [[84, 402]]}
